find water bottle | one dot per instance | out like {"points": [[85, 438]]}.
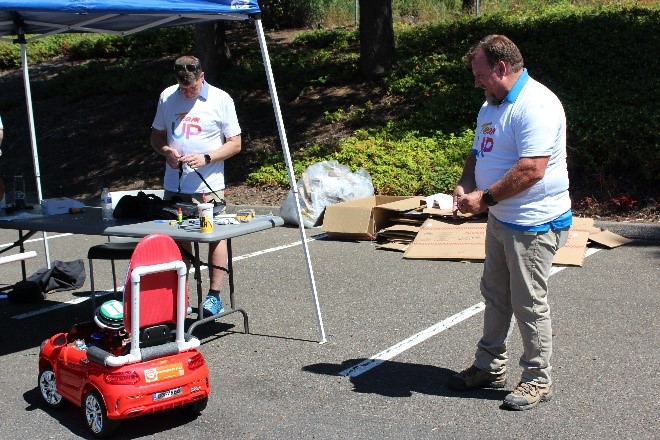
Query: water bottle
{"points": [[106, 204], [3, 203], [19, 191]]}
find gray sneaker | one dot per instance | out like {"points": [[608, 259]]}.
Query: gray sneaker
{"points": [[527, 395], [473, 378]]}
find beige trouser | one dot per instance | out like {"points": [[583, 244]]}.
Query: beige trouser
{"points": [[515, 284]]}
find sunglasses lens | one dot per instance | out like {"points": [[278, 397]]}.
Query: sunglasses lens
{"points": [[187, 67]]}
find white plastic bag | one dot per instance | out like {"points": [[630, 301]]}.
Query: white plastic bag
{"points": [[323, 184]]}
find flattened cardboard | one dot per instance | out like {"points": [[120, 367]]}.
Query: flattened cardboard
{"points": [[607, 238], [444, 240], [360, 219], [393, 246], [399, 233], [572, 253]]}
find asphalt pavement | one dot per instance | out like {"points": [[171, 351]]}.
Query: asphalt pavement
{"points": [[396, 329]]}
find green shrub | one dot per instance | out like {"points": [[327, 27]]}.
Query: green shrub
{"points": [[408, 165]]}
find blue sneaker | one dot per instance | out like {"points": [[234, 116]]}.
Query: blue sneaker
{"points": [[212, 306], [189, 311]]}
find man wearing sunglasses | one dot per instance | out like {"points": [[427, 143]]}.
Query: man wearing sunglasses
{"points": [[196, 129]]}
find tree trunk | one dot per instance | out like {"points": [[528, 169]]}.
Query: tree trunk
{"points": [[376, 38], [211, 48], [468, 5]]}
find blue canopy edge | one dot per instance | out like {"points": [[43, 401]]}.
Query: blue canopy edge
{"points": [[123, 17]]}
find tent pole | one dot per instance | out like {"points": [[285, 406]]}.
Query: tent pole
{"points": [[33, 138], [292, 177]]}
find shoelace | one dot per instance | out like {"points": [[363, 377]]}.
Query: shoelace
{"points": [[527, 388]]}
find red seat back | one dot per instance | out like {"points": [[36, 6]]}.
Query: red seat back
{"points": [[158, 291]]}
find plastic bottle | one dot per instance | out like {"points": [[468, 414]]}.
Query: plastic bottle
{"points": [[3, 202], [19, 191], [106, 204]]}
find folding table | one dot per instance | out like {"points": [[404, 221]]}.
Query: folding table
{"points": [[89, 222]]}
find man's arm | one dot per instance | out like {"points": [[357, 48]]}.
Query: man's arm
{"points": [[159, 144], [231, 147], [467, 183], [522, 175], [1, 135]]}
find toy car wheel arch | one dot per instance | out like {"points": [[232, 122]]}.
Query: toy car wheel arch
{"points": [[48, 388], [96, 416]]}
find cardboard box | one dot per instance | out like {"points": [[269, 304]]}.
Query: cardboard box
{"points": [[60, 205], [361, 219]]}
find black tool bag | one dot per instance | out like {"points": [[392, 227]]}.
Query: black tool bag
{"points": [[147, 207], [151, 207], [63, 275]]}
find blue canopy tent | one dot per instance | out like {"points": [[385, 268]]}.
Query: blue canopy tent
{"points": [[22, 21]]}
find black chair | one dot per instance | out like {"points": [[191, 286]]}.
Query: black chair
{"points": [[116, 248]]}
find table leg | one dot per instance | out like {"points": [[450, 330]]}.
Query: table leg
{"points": [[198, 279], [232, 299]]}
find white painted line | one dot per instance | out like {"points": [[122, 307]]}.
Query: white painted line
{"points": [[402, 346], [422, 336], [33, 240], [50, 308], [263, 252]]}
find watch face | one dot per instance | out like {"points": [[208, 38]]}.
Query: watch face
{"points": [[488, 198], [207, 158]]}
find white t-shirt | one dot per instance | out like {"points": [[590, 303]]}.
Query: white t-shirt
{"points": [[198, 125], [532, 125]]}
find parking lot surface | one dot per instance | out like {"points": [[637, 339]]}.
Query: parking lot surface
{"points": [[396, 330]]}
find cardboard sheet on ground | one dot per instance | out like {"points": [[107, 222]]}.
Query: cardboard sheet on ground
{"points": [[606, 238], [440, 239]]}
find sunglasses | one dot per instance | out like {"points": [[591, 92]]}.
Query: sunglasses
{"points": [[193, 68]]}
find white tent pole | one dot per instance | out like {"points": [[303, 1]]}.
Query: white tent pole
{"points": [[292, 176], [33, 139]]}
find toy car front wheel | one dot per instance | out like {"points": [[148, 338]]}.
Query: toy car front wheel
{"points": [[96, 415], [48, 388]]}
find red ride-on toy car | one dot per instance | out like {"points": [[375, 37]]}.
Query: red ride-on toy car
{"points": [[142, 362]]}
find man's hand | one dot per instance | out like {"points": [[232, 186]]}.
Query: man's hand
{"points": [[471, 203], [173, 158]]}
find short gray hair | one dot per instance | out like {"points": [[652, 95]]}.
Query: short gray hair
{"points": [[497, 48]]}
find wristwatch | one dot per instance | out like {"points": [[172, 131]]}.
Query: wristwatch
{"points": [[207, 158], [488, 198]]}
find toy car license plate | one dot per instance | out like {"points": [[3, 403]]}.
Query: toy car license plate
{"points": [[167, 394]]}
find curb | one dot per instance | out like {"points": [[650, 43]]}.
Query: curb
{"points": [[641, 231]]}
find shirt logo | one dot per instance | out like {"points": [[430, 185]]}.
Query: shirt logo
{"points": [[188, 126], [487, 143]]}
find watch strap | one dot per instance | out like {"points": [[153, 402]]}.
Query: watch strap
{"points": [[488, 198]]}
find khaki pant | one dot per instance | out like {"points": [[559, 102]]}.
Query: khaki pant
{"points": [[515, 284]]}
